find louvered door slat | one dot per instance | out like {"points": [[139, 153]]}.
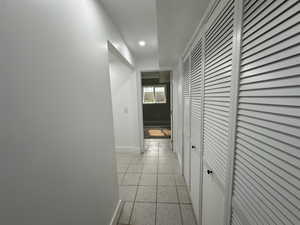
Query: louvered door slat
{"points": [[196, 85], [186, 80], [265, 20], [219, 52], [277, 29], [257, 46], [186, 119], [267, 155], [217, 90], [235, 219], [261, 8]]}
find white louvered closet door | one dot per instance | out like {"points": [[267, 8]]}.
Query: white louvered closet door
{"points": [[196, 126], [218, 75], [266, 188], [186, 122], [217, 96]]}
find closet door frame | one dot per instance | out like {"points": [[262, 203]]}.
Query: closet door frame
{"points": [[237, 38], [188, 182], [200, 37], [236, 59]]}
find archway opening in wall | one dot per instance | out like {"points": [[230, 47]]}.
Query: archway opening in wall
{"points": [[157, 103]]}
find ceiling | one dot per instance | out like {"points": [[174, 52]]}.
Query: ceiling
{"points": [[177, 21], [165, 25], [136, 20]]}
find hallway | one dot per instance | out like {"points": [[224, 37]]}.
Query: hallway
{"points": [[152, 188], [87, 85]]}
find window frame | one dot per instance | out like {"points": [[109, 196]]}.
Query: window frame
{"points": [[154, 94]]}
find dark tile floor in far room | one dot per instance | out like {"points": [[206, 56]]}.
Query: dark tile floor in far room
{"points": [[152, 188]]}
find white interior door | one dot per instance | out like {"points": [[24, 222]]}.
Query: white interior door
{"points": [[195, 181], [186, 124], [217, 105], [196, 128], [213, 199], [187, 142]]}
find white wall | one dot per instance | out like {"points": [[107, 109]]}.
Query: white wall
{"points": [[147, 64], [178, 110], [125, 105], [56, 160]]}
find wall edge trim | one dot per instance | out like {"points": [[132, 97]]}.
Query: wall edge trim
{"points": [[117, 213]]}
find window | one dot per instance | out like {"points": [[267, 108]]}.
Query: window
{"points": [[154, 95]]}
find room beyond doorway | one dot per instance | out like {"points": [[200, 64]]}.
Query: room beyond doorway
{"points": [[156, 93]]}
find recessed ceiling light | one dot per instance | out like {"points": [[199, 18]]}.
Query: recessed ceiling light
{"points": [[142, 43]]}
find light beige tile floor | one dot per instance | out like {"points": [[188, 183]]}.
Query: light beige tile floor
{"points": [[152, 187]]}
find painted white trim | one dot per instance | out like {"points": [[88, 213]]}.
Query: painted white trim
{"points": [[172, 109], [128, 149], [117, 213], [180, 162], [236, 64], [140, 109], [113, 50]]}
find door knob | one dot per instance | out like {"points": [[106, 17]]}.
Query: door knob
{"points": [[209, 171], [193, 146]]}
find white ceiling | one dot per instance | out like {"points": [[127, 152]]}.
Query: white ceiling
{"points": [[166, 26], [136, 20], [177, 21]]}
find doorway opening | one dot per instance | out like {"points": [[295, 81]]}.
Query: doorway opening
{"points": [[124, 103], [157, 103]]}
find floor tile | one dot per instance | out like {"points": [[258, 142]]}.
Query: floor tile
{"points": [[125, 213], [166, 163], [143, 214], [188, 215], [146, 194], [123, 159], [166, 179], [168, 214], [165, 170], [137, 161], [179, 180], [151, 153], [167, 194], [135, 169], [122, 168], [120, 178], [127, 193], [183, 195], [148, 179], [131, 179], [168, 160], [151, 160], [150, 169], [177, 170]]}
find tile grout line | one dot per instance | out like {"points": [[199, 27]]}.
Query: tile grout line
{"points": [[156, 187], [157, 165], [179, 204], [135, 196], [121, 184], [125, 172], [136, 193]]}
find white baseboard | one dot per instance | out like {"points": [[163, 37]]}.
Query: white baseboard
{"points": [[179, 160], [117, 213], [128, 149]]}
